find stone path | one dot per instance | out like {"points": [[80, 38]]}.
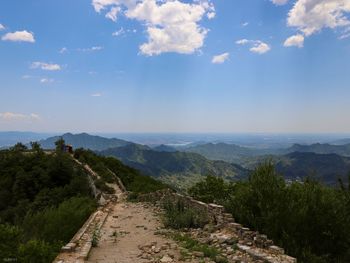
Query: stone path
{"points": [[133, 233], [129, 235]]}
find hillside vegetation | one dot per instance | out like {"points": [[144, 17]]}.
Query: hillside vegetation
{"points": [[133, 180], [44, 200], [311, 221], [326, 168], [343, 150], [177, 168]]}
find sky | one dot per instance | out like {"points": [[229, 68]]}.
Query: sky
{"points": [[175, 66]]}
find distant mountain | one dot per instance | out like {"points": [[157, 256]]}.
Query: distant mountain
{"points": [[341, 141], [326, 168], [179, 168], [229, 152], [84, 140], [10, 138], [319, 148], [164, 148]]}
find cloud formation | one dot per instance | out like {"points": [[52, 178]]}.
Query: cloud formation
{"points": [[279, 2], [296, 40], [96, 95], [312, 16], [219, 59], [2, 27], [46, 80], [90, 49], [256, 46], [171, 25], [11, 116], [19, 36], [45, 66]]}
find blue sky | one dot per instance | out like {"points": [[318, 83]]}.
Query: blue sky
{"points": [[175, 66]]}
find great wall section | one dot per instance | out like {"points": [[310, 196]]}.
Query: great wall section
{"points": [[129, 232]]}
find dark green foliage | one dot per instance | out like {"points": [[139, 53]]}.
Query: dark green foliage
{"points": [[132, 179], [311, 221], [51, 224], [37, 251], [212, 190], [326, 168], [10, 237], [165, 164], [44, 200], [178, 215]]}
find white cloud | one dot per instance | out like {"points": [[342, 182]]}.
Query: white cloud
{"points": [[119, 32], [219, 59], [2, 27], [260, 47], [279, 2], [45, 66], [34, 116], [171, 25], [311, 16], [90, 49], [346, 35], [296, 40], [19, 36], [63, 50], [46, 80], [211, 15], [11, 116], [257, 46], [242, 41], [245, 24], [112, 14], [96, 95]]}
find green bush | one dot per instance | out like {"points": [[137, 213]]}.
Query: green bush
{"points": [[310, 220], [58, 223], [10, 237], [36, 251], [179, 216]]}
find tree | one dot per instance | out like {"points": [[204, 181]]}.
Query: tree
{"points": [[19, 147], [36, 147], [60, 145]]}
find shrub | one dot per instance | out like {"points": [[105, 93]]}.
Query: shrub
{"points": [[179, 216], [59, 224], [36, 251], [310, 220]]}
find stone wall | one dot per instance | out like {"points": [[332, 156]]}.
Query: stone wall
{"points": [[251, 242]]}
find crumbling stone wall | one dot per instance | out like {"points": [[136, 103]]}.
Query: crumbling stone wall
{"points": [[252, 242]]}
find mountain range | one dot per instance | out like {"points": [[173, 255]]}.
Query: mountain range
{"points": [[182, 166], [179, 168], [84, 140], [326, 168]]}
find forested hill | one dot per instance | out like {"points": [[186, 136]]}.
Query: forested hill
{"points": [[228, 152], [175, 167], [38, 192], [319, 148], [84, 140], [326, 168], [45, 197]]}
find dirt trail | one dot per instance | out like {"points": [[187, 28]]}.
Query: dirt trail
{"points": [[129, 235]]}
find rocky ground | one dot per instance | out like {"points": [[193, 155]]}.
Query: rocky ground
{"points": [[133, 233]]}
